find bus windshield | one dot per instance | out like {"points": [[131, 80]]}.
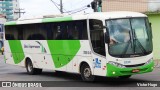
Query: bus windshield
{"points": [[129, 37]]}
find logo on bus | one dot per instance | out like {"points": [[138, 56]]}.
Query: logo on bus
{"points": [[43, 50], [97, 63]]}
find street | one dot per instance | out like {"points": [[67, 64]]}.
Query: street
{"points": [[14, 73]]}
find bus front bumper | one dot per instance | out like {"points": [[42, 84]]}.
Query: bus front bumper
{"points": [[114, 71]]}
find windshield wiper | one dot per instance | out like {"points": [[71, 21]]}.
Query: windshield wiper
{"points": [[139, 44], [126, 48]]}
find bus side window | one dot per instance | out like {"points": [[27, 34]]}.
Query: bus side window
{"points": [[72, 31], [35, 32], [10, 33], [19, 30], [59, 32], [81, 26], [9, 37], [49, 28], [97, 36]]}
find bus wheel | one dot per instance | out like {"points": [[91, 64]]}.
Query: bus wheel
{"points": [[125, 77], [31, 70], [86, 73]]}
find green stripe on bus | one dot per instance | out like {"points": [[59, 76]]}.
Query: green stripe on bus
{"points": [[10, 23], [16, 50], [59, 19], [63, 51], [128, 71]]}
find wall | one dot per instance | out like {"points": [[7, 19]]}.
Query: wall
{"points": [[125, 5], [155, 20]]}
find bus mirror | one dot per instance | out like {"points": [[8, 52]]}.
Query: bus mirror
{"points": [[150, 24]]}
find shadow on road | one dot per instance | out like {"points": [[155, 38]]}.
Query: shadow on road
{"points": [[74, 80]]}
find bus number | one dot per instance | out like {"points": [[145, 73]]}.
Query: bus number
{"points": [[86, 52]]}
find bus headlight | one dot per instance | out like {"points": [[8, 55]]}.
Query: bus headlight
{"points": [[150, 60], [117, 64]]}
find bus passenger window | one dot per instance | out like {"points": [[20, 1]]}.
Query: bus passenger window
{"points": [[59, 32], [20, 32], [11, 33]]}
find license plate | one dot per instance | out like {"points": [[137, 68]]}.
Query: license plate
{"points": [[135, 70]]}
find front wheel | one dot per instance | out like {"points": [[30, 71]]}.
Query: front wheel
{"points": [[86, 73], [31, 70]]}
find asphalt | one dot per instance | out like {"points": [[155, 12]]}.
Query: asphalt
{"points": [[70, 81]]}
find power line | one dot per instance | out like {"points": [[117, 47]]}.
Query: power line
{"points": [[79, 11], [55, 4], [71, 11]]}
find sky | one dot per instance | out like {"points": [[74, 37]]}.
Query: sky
{"points": [[46, 7]]}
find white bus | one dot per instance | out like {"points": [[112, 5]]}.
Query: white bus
{"points": [[109, 44]]}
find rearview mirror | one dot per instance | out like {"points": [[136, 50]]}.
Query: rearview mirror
{"points": [[150, 24], [151, 29]]}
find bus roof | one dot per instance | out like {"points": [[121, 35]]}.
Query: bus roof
{"points": [[97, 15]]}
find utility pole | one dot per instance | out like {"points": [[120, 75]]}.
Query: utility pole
{"points": [[61, 6], [19, 11]]}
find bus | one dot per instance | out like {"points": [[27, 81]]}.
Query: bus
{"points": [[108, 44]]}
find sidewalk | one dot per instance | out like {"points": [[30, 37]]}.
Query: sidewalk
{"points": [[157, 63]]}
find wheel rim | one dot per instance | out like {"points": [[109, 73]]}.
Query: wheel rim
{"points": [[87, 72], [30, 67]]}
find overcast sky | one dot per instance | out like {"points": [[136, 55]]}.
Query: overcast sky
{"points": [[44, 7]]}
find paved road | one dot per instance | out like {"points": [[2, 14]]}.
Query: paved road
{"points": [[14, 73]]}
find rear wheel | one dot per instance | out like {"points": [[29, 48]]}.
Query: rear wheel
{"points": [[125, 77], [30, 69], [86, 73]]}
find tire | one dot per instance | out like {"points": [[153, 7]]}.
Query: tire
{"points": [[125, 77], [86, 73], [31, 70]]}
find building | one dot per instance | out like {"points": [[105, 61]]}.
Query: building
{"points": [[9, 8], [149, 7], [131, 5], [2, 21]]}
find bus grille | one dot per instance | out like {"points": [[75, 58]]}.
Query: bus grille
{"points": [[135, 65]]}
